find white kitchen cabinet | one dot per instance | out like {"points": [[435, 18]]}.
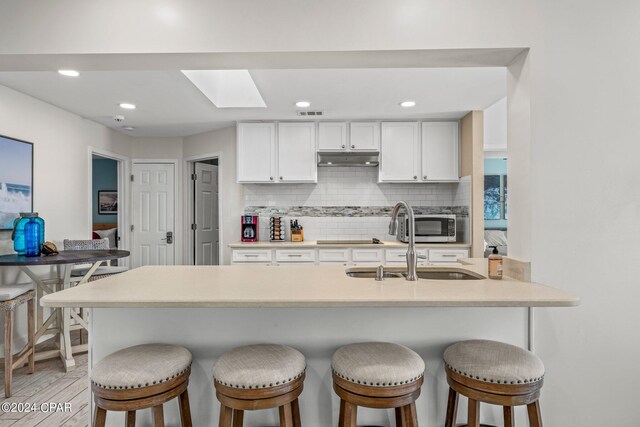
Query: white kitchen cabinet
{"points": [[297, 152], [251, 256], [364, 256], [400, 152], [440, 151], [442, 256], [296, 255], [256, 156], [332, 136], [331, 256], [364, 136]]}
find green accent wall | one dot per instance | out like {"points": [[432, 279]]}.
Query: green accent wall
{"points": [[105, 177]]}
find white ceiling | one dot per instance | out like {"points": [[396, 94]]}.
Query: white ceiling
{"points": [[168, 104]]}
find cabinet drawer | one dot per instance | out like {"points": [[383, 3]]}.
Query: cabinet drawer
{"points": [[400, 255], [367, 255], [333, 255], [447, 255], [252, 255], [295, 255]]}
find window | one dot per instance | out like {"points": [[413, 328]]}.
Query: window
{"points": [[495, 197]]}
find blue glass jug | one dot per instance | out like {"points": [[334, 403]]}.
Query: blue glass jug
{"points": [[19, 236]]}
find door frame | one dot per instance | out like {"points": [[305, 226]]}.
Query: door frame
{"points": [[189, 201], [124, 196], [177, 217]]}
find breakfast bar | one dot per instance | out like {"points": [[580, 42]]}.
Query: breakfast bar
{"points": [[315, 309]]}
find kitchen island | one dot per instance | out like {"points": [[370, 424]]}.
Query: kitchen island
{"points": [[313, 308]]}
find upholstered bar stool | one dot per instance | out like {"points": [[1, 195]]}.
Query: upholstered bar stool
{"points": [[11, 297], [377, 375], [496, 373], [140, 377], [259, 376]]}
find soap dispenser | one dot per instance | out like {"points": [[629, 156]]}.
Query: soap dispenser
{"points": [[495, 264]]}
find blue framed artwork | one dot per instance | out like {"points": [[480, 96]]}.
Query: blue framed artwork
{"points": [[16, 180]]}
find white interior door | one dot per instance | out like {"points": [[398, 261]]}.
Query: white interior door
{"points": [[153, 214], [206, 214]]}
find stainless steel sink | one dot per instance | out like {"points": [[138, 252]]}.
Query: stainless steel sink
{"points": [[428, 273]]}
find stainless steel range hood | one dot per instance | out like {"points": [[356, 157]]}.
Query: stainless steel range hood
{"points": [[335, 159]]}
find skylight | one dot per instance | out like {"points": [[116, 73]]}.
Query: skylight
{"points": [[227, 88]]}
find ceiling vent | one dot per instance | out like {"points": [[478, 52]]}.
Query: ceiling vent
{"points": [[310, 113]]}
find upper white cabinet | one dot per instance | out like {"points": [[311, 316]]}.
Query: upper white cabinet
{"points": [[399, 152], [256, 152], [297, 152], [440, 147], [364, 136], [332, 136]]}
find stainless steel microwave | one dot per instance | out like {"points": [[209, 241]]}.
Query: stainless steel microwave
{"points": [[429, 228]]}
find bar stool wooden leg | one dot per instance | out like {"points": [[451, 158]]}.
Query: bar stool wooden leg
{"points": [[295, 409], [131, 419], [158, 416], [225, 416], [185, 411], [508, 416], [100, 417], [399, 417], [348, 414], [286, 417], [8, 352], [238, 417], [535, 417], [474, 413], [452, 408], [410, 416]]}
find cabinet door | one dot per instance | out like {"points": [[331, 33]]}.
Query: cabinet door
{"points": [[399, 153], [364, 136], [332, 136], [256, 152], [440, 147], [297, 152]]}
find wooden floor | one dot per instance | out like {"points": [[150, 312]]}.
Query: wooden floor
{"points": [[49, 383]]}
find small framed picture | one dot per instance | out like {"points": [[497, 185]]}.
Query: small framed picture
{"points": [[108, 202]]}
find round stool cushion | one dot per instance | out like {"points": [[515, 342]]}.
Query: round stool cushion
{"points": [[259, 366], [377, 364], [141, 366], [494, 362]]}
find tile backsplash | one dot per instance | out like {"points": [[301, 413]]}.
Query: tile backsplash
{"points": [[349, 203]]}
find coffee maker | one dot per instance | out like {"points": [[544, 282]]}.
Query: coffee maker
{"points": [[249, 228]]}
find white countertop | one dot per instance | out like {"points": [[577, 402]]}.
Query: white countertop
{"points": [[299, 286], [386, 244]]}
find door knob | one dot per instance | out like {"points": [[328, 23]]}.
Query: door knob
{"points": [[169, 237]]}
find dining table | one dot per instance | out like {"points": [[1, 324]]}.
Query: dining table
{"points": [[58, 321]]}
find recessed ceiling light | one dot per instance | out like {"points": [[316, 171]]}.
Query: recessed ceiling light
{"points": [[128, 127], [367, 163], [303, 104], [69, 73], [329, 163], [407, 104], [127, 106]]}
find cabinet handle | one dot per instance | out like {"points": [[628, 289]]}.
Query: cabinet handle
{"points": [[271, 178], [343, 146], [281, 178], [251, 255], [424, 177], [294, 255], [353, 146], [415, 176]]}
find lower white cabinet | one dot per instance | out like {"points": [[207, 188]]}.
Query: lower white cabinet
{"points": [[345, 256], [251, 255], [295, 255]]}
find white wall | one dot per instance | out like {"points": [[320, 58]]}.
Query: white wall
{"points": [[222, 142], [495, 127], [61, 178], [156, 148]]}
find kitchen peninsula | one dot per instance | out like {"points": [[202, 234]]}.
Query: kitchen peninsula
{"points": [[313, 308]]}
